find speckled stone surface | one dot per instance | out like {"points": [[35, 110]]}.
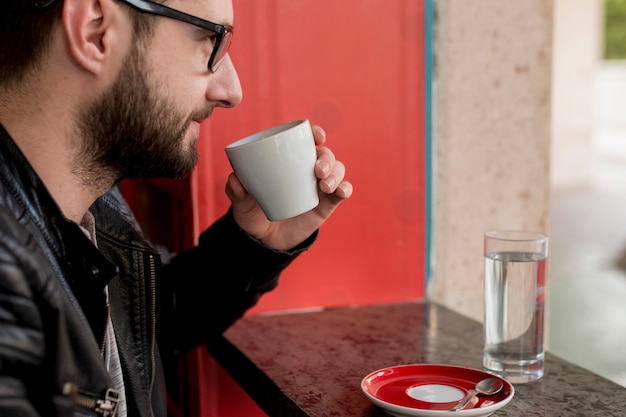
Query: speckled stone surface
{"points": [[312, 364]]}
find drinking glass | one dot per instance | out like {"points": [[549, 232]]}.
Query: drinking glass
{"points": [[516, 267]]}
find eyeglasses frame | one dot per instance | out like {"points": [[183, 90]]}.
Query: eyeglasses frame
{"points": [[224, 33]]}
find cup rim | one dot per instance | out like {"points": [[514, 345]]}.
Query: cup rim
{"points": [[266, 134], [517, 235]]}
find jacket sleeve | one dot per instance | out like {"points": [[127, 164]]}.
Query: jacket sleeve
{"points": [[21, 340], [215, 283]]}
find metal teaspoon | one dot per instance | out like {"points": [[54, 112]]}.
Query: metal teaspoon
{"points": [[487, 386]]}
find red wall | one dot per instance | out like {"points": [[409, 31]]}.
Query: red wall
{"points": [[356, 68]]}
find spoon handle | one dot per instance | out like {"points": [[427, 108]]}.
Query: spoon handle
{"points": [[465, 400]]}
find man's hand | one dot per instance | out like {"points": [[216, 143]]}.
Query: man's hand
{"points": [[288, 233]]}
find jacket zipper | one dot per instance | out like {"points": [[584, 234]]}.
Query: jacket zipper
{"points": [[106, 327], [152, 266], [106, 407]]}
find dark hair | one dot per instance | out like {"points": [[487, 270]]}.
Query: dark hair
{"points": [[26, 33]]}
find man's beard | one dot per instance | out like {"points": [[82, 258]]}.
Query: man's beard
{"points": [[131, 132]]}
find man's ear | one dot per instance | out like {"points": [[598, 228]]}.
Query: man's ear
{"points": [[90, 27]]}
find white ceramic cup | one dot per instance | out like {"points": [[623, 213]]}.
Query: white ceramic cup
{"points": [[277, 166]]}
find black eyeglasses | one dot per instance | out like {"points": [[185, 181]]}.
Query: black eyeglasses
{"points": [[223, 34]]}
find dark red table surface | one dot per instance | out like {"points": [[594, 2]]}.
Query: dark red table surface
{"points": [[312, 364]]}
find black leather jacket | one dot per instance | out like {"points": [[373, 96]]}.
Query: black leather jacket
{"points": [[53, 311]]}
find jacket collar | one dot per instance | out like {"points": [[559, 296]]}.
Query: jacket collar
{"points": [[29, 199]]}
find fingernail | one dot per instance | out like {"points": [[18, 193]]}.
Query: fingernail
{"points": [[325, 167], [330, 182]]}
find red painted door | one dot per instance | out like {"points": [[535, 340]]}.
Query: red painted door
{"points": [[356, 68]]}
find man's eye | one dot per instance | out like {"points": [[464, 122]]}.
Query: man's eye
{"points": [[212, 38]]}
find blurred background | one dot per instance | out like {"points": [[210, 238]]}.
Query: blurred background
{"points": [[588, 215]]}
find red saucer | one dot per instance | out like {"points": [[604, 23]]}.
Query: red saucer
{"points": [[432, 390]]}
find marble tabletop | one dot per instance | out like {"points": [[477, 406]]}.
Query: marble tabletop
{"points": [[311, 364]]}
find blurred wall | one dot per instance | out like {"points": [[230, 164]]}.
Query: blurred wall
{"points": [[575, 64], [491, 127]]}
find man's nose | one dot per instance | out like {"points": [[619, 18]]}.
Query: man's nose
{"points": [[224, 86]]}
